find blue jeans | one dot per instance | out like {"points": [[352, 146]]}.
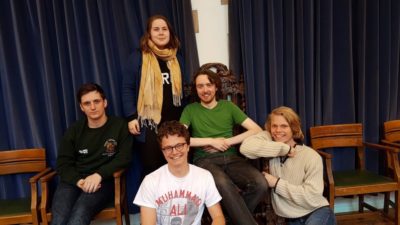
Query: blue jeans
{"points": [[232, 173], [72, 206], [321, 216]]}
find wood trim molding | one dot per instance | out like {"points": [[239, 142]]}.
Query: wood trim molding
{"points": [[195, 16], [224, 2]]}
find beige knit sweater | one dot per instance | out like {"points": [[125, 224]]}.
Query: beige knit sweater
{"points": [[299, 190]]}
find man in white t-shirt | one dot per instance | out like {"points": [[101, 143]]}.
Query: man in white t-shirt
{"points": [[176, 193]]}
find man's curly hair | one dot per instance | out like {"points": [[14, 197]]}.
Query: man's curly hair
{"points": [[170, 128]]}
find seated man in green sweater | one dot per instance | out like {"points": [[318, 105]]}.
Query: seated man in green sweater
{"points": [[211, 122], [91, 150], [296, 172]]}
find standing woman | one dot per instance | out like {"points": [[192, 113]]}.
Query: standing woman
{"points": [[152, 89]]}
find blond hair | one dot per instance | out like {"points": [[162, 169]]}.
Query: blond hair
{"points": [[291, 117]]}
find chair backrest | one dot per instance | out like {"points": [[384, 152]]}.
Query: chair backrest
{"points": [[22, 161], [330, 136], [392, 130], [232, 89]]}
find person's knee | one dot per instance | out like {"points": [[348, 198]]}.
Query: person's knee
{"points": [[59, 217], [257, 185], [322, 216], [331, 218], [62, 203], [223, 182], [76, 220], [262, 185], [80, 215], [74, 216]]}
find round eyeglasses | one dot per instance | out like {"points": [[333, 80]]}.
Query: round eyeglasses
{"points": [[178, 147]]}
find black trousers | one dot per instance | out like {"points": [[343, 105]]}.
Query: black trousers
{"points": [[150, 152]]}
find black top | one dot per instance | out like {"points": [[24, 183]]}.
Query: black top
{"points": [[84, 151], [169, 110]]}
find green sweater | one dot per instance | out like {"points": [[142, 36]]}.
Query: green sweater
{"points": [[84, 151], [215, 123]]}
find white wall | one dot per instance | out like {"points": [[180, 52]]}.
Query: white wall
{"points": [[212, 39]]}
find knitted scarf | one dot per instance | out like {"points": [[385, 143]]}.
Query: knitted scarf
{"points": [[151, 85]]}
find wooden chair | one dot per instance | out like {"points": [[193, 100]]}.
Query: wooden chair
{"points": [[232, 89], [391, 130], [112, 211], [358, 181], [25, 210]]}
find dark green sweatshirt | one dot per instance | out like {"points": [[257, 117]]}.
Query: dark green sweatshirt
{"points": [[84, 151]]}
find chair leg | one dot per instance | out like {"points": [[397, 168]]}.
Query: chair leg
{"points": [[35, 218], [118, 219], [332, 201], [361, 203], [396, 208], [126, 213], [118, 214], [127, 220], [45, 221], [386, 202]]}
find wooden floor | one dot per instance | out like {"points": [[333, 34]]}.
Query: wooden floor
{"points": [[370, 219], [365, 222], [374, 219]]}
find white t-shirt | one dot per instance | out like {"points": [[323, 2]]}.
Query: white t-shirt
{"points": [[178, 201]]}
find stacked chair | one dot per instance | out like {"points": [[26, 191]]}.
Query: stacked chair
{"points": [[36, 208], [357, 181], [391, 130], [23, 161]]}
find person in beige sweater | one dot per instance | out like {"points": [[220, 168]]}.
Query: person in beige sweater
{"points": [[295, 170]]}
